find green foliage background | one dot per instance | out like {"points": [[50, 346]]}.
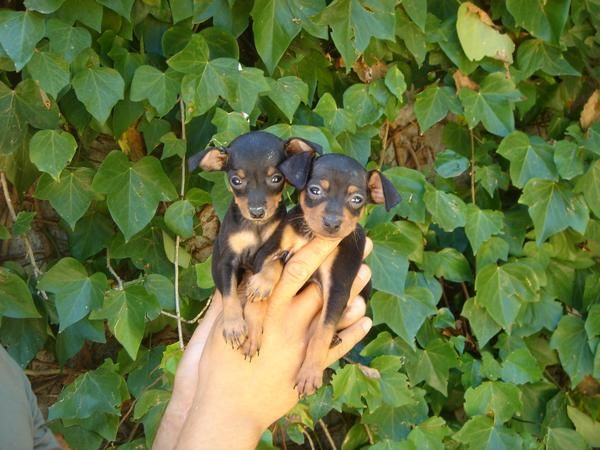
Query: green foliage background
{"points": [[487, 303]]}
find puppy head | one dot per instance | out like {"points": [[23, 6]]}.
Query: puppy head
{"points": [[252, 164], [336, 191]]}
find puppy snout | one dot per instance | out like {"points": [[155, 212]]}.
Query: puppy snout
{"points": [[257, 212], [332, 223]]}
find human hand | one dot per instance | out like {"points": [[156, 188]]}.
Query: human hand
{"points": [[235, 401]]}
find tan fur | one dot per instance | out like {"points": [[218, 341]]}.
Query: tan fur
{"points": [[260, 285], [214, 160], [241, 240], [268, 230], [325, 184], [376, 188], [352, 189], [272, 203], [291, 241], [271, 170], [295, 146]]}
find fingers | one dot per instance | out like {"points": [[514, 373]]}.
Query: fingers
{"points": [[303, 264], [368, 247], [355, 310], [350, 337]]}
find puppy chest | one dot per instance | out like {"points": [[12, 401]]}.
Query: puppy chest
{"points": [[244, 241]]}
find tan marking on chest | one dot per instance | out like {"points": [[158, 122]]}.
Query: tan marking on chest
{"points": [[292, 241], [268, 230], [241, 240]]}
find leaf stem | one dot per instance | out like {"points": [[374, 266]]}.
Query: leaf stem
{"points": [[327, 434], [37, 273], [472, 166], [113, 272]]}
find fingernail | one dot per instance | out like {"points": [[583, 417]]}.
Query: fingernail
{"points": [[366, 325]]}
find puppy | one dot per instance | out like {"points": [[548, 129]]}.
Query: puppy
{"points": [[252, 164], [334, 192]]}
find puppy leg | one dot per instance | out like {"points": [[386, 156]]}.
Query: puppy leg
{"points": [[254, 313], [260, 285], [235, 329], [310, 375]]}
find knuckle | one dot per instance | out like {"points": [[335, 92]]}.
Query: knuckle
{"points": [[296, 271]]}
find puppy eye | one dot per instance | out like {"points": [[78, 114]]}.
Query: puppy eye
{"points": [[315, 190], [235, 180], [357, 200], [276, 179]]}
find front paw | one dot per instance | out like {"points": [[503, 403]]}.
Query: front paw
{"points": [[251, 345], [259, 288], [308, 380], [235, 331]]}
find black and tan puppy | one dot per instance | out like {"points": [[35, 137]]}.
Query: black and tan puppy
{"points": [[334, 192], [252, 164]]}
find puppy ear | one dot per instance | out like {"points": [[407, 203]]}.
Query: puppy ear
{"points": [[296, 169], [295, 145], [211, 159], [381, 190]]}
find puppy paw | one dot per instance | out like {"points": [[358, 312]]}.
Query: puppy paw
{"points": [[251, 345], [308, 380], [259, 288], [235, 331]]}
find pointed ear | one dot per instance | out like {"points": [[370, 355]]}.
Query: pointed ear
{"points": [[296, 169], [295, 145], [211, 159], [381, 190]]}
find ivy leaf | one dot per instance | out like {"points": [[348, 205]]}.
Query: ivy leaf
{"points": [[99, 89], [179, 218], [394, 78], [447, 210], [287, 93], [411, 186], [449, 164], [159, 88], [75, 293], [480, 433], [250, 83], [229, 126], [562, 438], [478, 36], [121, 7], [355, 22], [544, 20], [589, 185], [496, 398], [35, 108], [133, 190], [350, 385], [482, 324], [569, 160], [13, 128], [71, 340], [357, 145], [4, 234], [50, 71], [274, 27], [481, 225], [571, 342], [502, 289], [417, 10], [172, 146], [192, 58], [535, 54], [44, 6], [389, 258], [491, 178], [20, 31], [528, 158], [162, 288], [23, 223], [126, 312], [15, 297], [449, 264], [492, 105], [52, 150], [66, 40], [432, 365], [585, 426], [553, 208], [363, 106], [23, 338], [91, 234], [70, 195], [99, 391], [88, 12], [433, 104], [405, 313], [521, 367]]}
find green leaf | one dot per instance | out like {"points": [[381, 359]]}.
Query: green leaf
{"points": [[528, 158], [91, 234], [274, 27], [99, 391], [411, 186], [482, 324], [20, 31], [121, 7], [229, 126], [479, 38], [287, 93], [433, 104], [172, 146], [23, 223], [571, 342], [350, 385], [4, 233], [562, 438], [99, 89], [250, 83], [179, 217], [585, 426], [50, 71], [544, 20], [492, 105], [589, 185], [520, 367], [66, 40], [481, 225], [44, 6], [417, 10], [204, 278], [364, 107], [395, 82], [160, 89], [447, 210], [357, 145], [88, 12], [480, 433], [414, 39], [449, 264], [162, 288], [535, 54], [355, 22], [432, 365], [23, 338], [35, 108], [496, 398], [502, 289], [491, 178], [192, 58], [569, 159], [553, 208], [70, 195], [133, 190], [126, 312], [13, 128], [449, 164], [75, 293], [404, 314], [15, 297], [71, 340], [52, 150]]}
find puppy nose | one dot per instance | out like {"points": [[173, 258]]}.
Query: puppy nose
{"points": [[332, 223], [257, 212]]}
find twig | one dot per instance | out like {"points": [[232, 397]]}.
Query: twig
{"points": [[112, 271], [37, 273], [472, 167], [369, 434], [384, 142], [310, 441], [465, 291], [48, 372], [327, 434], [190, 321]]}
